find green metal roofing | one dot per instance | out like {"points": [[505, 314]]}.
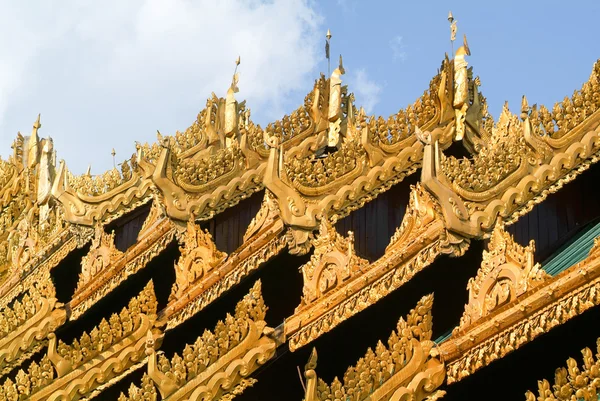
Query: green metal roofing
{"points": [[573, 251], [443, 337]]}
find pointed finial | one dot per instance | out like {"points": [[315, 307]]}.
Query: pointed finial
{"points": [[37, 125], [524, 107], [113, 153], [453, 28], [235, 78], [89, 171], [328, 35]]}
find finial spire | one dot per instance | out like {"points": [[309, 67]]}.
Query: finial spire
{"points": [[114, 153], [327, 39], [37, 125], [453, 29], [234, 80], [524, 108]]}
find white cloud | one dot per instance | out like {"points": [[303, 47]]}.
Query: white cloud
{"points": [[106, 73], [397, 46], [366, 90], [347, 6]]}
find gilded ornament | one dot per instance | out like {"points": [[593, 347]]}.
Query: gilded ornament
{"points": [[218, 364], [408, 368], [507, 272], [199, 257]]}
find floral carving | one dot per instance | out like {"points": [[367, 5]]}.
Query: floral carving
{"points": [[70, 371], [408, 368], [574, 381], [507, 272], [332, 262], [102, 253], [25, 324], [217, 363], [199, 255]]}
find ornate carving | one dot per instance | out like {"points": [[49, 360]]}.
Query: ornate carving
{"points": [[156, 215], [87, 200], [332, 262], [218, 363], [408, 368], [25, 324], [368, 157], [268, 212], [240, 264], [551, 303], [572, 382], [102, 253], [199, 256], [522, 163], [507, 272], [461, 88], [69, 372], [121, 266], [419, 241]]}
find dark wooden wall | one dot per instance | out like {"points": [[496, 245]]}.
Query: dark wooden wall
{"points": [[228, 228], [561, 215], [375, 223], [128, 227]]}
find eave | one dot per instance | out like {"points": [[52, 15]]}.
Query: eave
{"points": [[148, 246], [553, 303], [255, 251]]}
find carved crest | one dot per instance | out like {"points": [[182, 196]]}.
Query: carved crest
{"points": [[507, 271], [156, 214], [268, 212], [199, 255], [422, 210], [333, 261], [218, 364], [102, 253], [409, 368]]}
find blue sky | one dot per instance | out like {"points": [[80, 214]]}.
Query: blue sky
{"points": [[543, 49], [106, 75]]}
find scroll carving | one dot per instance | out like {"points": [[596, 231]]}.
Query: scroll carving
{"points": [[367, 156], [211, 166], [72, 371], [507, 272], [218, 364], [88, 199], [548, 303], [408, 368], [521, 163], [199, 256], [420, 239], [25, 324], [332, 262], [574, 381], [102, 253]]}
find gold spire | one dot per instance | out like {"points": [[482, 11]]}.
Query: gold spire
{"points": [[452, 22], [37, 125], [32, 157], [328, 35]]}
